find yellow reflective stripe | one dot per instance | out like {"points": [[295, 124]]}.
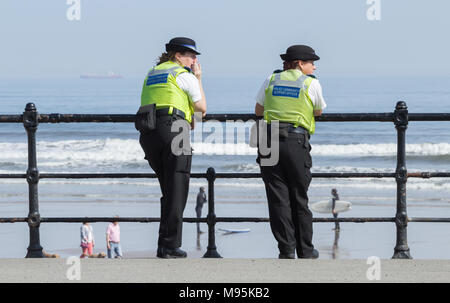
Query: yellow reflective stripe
{"points": [[297, 83], [172, 71], [170, 110]]}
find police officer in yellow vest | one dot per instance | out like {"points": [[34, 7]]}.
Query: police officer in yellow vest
{"points": [[171, 93], [292, 97]]}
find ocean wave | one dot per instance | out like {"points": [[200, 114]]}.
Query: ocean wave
{"points": [[382, 149], [240, 168], [127, 154], [434, 184]]}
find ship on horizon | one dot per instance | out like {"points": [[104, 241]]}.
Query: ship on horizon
{"points": [[110, 75]]}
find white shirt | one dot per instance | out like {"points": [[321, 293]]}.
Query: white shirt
{"points": [[189, 84], [314, 92], [87, 234]]}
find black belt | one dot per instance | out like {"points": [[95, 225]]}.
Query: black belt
{"points": [[297, 130], [165, 112]]}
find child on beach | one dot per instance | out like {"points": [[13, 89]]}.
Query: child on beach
{"points": [[87, 240], [113, 239]]}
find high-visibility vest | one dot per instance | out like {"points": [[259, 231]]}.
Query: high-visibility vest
{"points": [[287, 100], [161, 88]]}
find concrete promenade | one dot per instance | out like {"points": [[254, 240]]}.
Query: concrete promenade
{"points": [[221, 270]]}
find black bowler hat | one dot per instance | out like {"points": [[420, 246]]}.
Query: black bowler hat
{"points": [[182, 44], [299, 52]]}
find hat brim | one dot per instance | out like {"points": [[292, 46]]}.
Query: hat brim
{"points": [[179, 47], [291, 57]]}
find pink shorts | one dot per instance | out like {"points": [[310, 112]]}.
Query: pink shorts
{"points": [[87, 250]]}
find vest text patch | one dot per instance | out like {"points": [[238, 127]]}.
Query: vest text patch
{"points": [[157, 79], [286, 91]]}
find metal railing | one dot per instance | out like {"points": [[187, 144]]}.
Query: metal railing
{"points": [[400, 117]]}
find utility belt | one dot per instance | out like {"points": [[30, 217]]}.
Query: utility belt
{"points": [[297, 130], [165, 112], [145, 119], [286, 128]]}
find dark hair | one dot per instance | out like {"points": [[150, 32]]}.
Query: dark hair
{"points": [[168, 56], [290, 64]]}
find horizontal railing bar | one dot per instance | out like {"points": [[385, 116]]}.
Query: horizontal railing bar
{"points": [[429, 117], [13, 176], [425, 175], [430, 220], [187, 220], [102, 175], [11, 119], [314, 175], [317, 220], [332, 117], [66, 118], [112, 219], [218, 219], [13, 220]]}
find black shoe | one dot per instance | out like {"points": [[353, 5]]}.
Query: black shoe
{"points": [[286, 256], [313, 255], [170, 253]]}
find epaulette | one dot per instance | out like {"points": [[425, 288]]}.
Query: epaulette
{"points": [[312, 76], [277, 71], [188, 69]]}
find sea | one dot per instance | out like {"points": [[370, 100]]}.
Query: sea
{"points": [[114, 148]]}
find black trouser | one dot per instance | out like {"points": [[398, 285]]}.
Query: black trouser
{"points": [[287, 185], [173, 174], [336, 224]]}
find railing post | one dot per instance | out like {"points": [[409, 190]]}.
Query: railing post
{"points": [[30, 122], [401, 250], [211, 218]]}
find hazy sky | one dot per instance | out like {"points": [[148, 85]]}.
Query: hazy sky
{"points": [[235, 37]]}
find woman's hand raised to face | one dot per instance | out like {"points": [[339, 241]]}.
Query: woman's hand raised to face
{"points": [[197, 70]]}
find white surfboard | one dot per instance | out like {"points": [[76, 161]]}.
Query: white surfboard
{"points": [[325, 206], [235, 230]]}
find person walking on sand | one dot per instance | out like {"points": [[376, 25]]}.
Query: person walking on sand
{"points": [[87, 240], [113, 240], [292, 97], [201, 199]]}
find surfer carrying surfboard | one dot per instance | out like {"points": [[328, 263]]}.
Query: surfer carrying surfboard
{"points": [[334, 198]]}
